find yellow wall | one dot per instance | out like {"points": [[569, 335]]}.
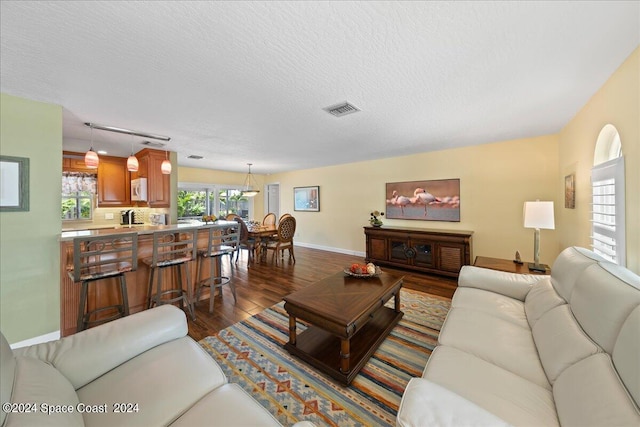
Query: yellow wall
{"points": [[617, 103], [29, 248], [495, 180]]}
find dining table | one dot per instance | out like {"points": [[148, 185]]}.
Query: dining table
{"points": [[262, 233]]}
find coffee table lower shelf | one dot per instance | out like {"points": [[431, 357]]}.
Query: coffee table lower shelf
{"points": [[321, 349]]}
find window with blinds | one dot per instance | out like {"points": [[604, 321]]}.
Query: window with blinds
{"points": [[608, 231]]}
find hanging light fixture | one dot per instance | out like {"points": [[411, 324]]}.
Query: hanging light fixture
{"points": [[132, 161], [91, 159], [165, 167], [248, 190]]}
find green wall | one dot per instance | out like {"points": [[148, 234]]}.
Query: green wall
{"points": [[29, 248]]}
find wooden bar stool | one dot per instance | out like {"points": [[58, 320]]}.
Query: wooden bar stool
{"points": [[103, 257], [221, 241], [172, 248]]}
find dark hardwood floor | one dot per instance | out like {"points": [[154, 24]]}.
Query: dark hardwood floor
{"points": [[264, 284]]}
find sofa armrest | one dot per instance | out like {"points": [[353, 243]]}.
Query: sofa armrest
{"points": [[89, 354], [425, 403], [512, 285]]}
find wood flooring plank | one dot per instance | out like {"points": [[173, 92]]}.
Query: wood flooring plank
{"points": [[262, 285]]}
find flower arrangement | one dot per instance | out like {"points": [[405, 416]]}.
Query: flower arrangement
{"points": [[374, 220]]}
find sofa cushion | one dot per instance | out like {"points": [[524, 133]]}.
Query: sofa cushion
{"points": [[504, 394], [590, 393], [228, 405], [426, 403], [498, 305], [512, 285], [540, 299], [626, 354], [560, 341], [43, 385], [500, 342], [85, 356], [568, 266], [164, 382], [604, 296]]}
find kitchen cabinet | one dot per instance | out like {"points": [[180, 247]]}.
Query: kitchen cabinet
{"points": [[114, 182], [432, 251], [158, 191], [74, 162]]}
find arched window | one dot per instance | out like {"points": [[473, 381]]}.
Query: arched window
{"points": [[607, 182]]}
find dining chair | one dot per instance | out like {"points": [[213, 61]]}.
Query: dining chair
{"points": [[103, 257], [232, 217], [269, 219], [284, 240], [283, 216], [246, 242], [220, 242]]}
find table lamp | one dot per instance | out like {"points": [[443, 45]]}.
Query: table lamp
{"points": [[538, 215]]}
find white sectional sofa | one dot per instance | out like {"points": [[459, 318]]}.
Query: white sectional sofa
{"points": [[528, 350], [141, 370]]}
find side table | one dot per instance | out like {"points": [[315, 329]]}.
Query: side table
{"points": [[505, 265]]}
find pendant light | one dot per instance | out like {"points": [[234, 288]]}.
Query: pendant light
{"points": [[165, 167], [248, 190], [132, 161], [91, 159]]}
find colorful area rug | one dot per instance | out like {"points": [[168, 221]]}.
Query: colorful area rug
{"points": [[251, 354]]}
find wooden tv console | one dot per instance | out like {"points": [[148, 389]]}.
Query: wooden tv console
{"points": [[427, 250]]}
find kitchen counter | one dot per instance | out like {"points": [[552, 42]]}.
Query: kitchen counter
{"points": [[137, 281], [141, 229]]}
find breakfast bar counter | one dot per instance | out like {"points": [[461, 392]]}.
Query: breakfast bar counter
{"points": [[137, 281]]}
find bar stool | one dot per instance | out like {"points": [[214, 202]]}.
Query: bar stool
{"points": [[103, 257], [221, 241], [172, 248]]}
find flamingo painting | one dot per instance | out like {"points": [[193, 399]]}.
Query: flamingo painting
{"points": [[399, 200], [421, 197], [441, 202]]}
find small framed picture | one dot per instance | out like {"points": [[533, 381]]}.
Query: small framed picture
{"points": [[14, 184], [306, 199], [569, 192]]}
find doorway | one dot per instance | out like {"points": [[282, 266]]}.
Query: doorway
{"points": [[272, 203]]}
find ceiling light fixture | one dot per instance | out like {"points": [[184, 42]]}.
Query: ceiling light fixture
{"points": [[91, 159], [165, 167], [132, 161], [248, 190], [128, 131]]}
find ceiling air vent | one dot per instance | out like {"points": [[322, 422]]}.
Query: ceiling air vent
{"points": [[194, 156], [342, 109], [152, 144]]}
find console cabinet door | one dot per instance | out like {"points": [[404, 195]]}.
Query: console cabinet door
{"points": [[424, 253], [377, 248], [451, 257]]}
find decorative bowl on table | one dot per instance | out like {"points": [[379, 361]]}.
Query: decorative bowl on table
{"points": [[362, 271]]}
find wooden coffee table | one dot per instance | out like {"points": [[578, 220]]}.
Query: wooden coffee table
{"points": [[348, 321]]}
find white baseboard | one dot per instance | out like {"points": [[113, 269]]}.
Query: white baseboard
{"points": [[37, 340], [330, 249]]}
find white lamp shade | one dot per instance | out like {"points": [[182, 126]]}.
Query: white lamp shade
{"points": [[165, 167], [132, 164], [91, 159], [539, 215]]}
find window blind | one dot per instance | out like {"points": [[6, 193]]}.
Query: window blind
{"points": [[608, 224]]}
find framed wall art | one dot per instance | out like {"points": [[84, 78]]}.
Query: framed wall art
{"points": [[569, 192], [306, 199], [14, 184], [435, 200]]}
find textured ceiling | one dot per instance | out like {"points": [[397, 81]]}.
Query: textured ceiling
{"points": [[239, 82]]}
